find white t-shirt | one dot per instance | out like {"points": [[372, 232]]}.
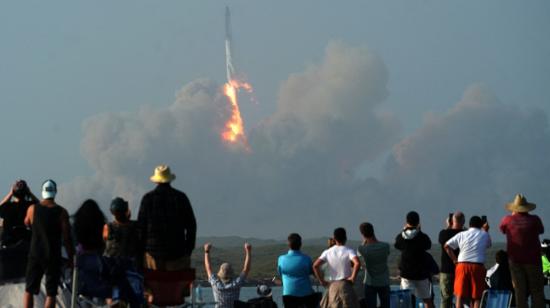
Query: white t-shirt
{"points": [[338, 259], [472, 243]]}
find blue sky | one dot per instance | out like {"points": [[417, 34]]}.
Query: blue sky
{"points": [[65, 61]]}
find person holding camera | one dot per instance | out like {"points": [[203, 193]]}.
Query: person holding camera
{"points": [[414, 269], [455, 225], [470, 269], [13, 209]]}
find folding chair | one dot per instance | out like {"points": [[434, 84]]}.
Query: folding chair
{"points": [[88, 284], [496, 299], [400, 299], [169, 288]]}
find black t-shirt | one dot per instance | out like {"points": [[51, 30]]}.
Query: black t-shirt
{"points": [[447, 265], [47, 233], [13, 214]]}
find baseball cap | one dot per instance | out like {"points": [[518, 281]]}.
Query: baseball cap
{"points": [[119, 205], [49, 189]]}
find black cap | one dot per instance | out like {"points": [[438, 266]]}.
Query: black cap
{"points": [[413, 218], [119, 205]]}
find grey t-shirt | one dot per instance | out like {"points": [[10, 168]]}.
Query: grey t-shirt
{"points": [[375, 256]]}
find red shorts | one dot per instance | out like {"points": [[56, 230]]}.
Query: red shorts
{"points": [[469, 280]]}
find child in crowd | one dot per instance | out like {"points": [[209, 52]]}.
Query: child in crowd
{"points": [[122, 235], [121, 248]]}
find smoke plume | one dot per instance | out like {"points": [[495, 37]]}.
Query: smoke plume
{"points": [[300, 175]]}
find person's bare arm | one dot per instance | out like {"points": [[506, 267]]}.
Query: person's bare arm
{"points": [[28, 217], [33, 197], [317, 271], [207, 266], [451, 253], [247, 258], [66, 230], [356, 267], [105, 232], [7, 197]]}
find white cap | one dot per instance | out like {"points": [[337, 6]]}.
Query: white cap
{"points": [[49, 189]]}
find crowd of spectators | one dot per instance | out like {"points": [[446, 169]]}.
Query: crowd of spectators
{"points": [[164, 234]]}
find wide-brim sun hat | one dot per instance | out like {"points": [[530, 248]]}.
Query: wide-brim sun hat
{"points": [[520, 205], [162, 175], [226, 272]]}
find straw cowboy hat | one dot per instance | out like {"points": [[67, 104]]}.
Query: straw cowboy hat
{"points": [[520, 205], [162, 175]]}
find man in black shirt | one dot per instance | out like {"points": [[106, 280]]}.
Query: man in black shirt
{"points": [[447, 270], [414, 266], [167, 224], [51, 230], [13, 209]]}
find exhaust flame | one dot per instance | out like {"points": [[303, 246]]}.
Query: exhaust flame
{"points": [[234, 127]]}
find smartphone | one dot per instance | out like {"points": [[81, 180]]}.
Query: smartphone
{"points": [[483, 219], [450, 219]]}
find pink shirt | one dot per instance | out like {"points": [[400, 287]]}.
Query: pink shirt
{"points": [[522, 237]]}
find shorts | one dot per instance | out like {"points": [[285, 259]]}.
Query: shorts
{"points": [[36, 269], [309, 301], [420, 288], [469, 280]]}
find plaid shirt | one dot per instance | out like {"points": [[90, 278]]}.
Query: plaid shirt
{"points": [[167, 223], [225, 294]]}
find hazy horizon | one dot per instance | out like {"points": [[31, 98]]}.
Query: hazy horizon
{"points": [[360, 112]]}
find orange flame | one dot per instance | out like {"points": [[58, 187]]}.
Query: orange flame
{"points": [[234, 127]]}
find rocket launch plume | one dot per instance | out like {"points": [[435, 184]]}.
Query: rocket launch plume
{"points": [[234, 127]]}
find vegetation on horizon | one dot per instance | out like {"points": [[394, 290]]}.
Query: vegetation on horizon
{"points": [[266, 252]]}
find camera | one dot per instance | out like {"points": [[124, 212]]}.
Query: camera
{"points": [[483, 219]]}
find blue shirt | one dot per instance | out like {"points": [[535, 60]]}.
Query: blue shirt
{"points": [[295, 268]]}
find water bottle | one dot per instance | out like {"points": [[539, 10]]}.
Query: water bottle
{"points": [[198, 293]]}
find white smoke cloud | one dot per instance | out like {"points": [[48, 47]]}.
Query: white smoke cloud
{"points": [[473, 158], [302, 157], [300, 174]]}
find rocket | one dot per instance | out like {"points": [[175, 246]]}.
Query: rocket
{"points": [[230, 70]]}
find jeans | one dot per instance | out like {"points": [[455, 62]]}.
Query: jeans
{"points": [[446, 282], [383, 294], [528, 279]]}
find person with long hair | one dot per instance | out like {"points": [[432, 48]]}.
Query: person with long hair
{"points": [[88, 222]]}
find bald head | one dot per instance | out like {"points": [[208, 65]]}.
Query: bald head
{"points": [[458, 220]]}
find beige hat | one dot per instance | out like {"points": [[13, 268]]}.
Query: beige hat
{"points": [[162, 175], [226, 272], [520, 205]]}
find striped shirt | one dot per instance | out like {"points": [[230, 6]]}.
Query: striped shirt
{"points": [[225, 294]]}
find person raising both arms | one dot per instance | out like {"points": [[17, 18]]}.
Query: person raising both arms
{"points": [[226, 287]]}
